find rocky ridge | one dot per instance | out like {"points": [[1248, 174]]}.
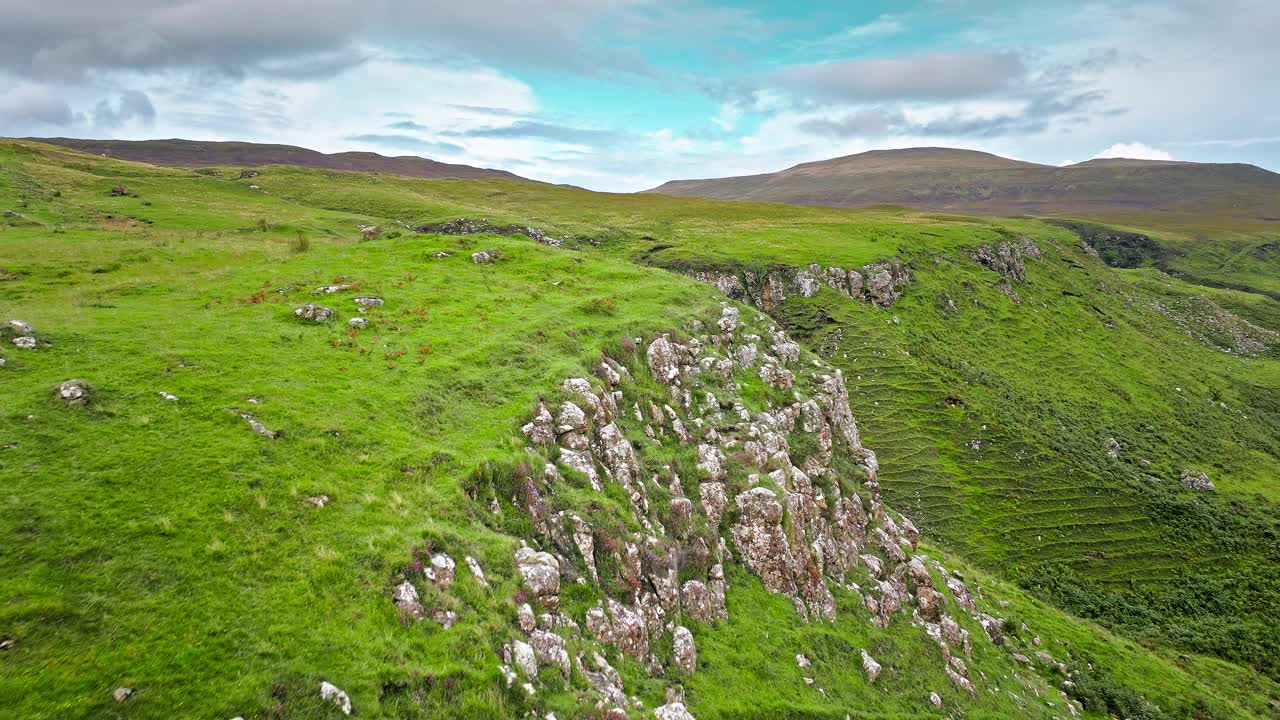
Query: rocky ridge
{"points": [[785, 489]]}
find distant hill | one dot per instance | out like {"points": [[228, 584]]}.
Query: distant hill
{"points": [[966, 180], [197, 153]]}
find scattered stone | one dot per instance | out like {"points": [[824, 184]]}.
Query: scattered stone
{"points": [[335, 695], [368, 302], [20, 328], [26, 342], [406, 599], [319, 500], [803, 662], [477, 572], [446, 618], [1113, 448], [330, 289], [74, 392], [441, 570], [935, 700], [313, 313], [167, 396], [358, 322], [122, 694], [259, 427], [484, 257]]}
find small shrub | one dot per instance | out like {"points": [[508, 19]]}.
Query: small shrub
{"points": [[119, 190], [261, 225], [301, 243], [600, 306], [392, 235]]}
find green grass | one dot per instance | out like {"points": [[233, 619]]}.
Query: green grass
{"points": [[165, 546]]}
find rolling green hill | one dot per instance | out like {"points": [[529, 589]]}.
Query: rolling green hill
{"points": [[230, 514]]}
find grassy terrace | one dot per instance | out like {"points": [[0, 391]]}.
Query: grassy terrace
{"points": [[163, 545]]}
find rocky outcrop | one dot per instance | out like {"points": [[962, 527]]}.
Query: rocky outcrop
{"points": [[879, 283], [1007, 258], [464, 226], [1197, 481], [803, 528]]}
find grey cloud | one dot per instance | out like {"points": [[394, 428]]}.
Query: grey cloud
{"points": [[132, 105], [406, 142], [22, 106], [922, 77], [407, 125], [543, 131], [1039, 114], [857, 124], [69, 39]]}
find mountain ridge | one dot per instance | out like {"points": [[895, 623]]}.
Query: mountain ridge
{"points": [[179, 152], [953, 179]]}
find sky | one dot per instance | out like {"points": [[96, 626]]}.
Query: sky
{"points": [[622, 95]]}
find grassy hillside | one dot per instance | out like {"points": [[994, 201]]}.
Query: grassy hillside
{"points": [[163, 545]]}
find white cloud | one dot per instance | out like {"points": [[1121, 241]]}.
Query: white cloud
{"points": [[1133, 151]]}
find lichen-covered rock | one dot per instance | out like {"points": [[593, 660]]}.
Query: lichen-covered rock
{"points": [[122, 694], [550, 649], [541, 431], [358, 322], [484, 257], [993, 627], [619, 455], [777, 376], [368, 302], [25, 342], [710, 461], [74, 392], [686, 653], [628, 629], [760, 540], [313, 313], [526, 620], [477, 572], [540, 572], [664, 360], [524, 658], [870, 667], [19, 327], [335, 695]]}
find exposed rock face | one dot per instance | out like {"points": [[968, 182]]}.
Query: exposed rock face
{"points": [[464, 226], [1197, 481], [335, 695], [74, 392], [760, 540], [879, 283], [313, 313], [541, 431]]}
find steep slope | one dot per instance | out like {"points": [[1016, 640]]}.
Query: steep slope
{"points": [[231, 518], [941, 178], [200, 153]]}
